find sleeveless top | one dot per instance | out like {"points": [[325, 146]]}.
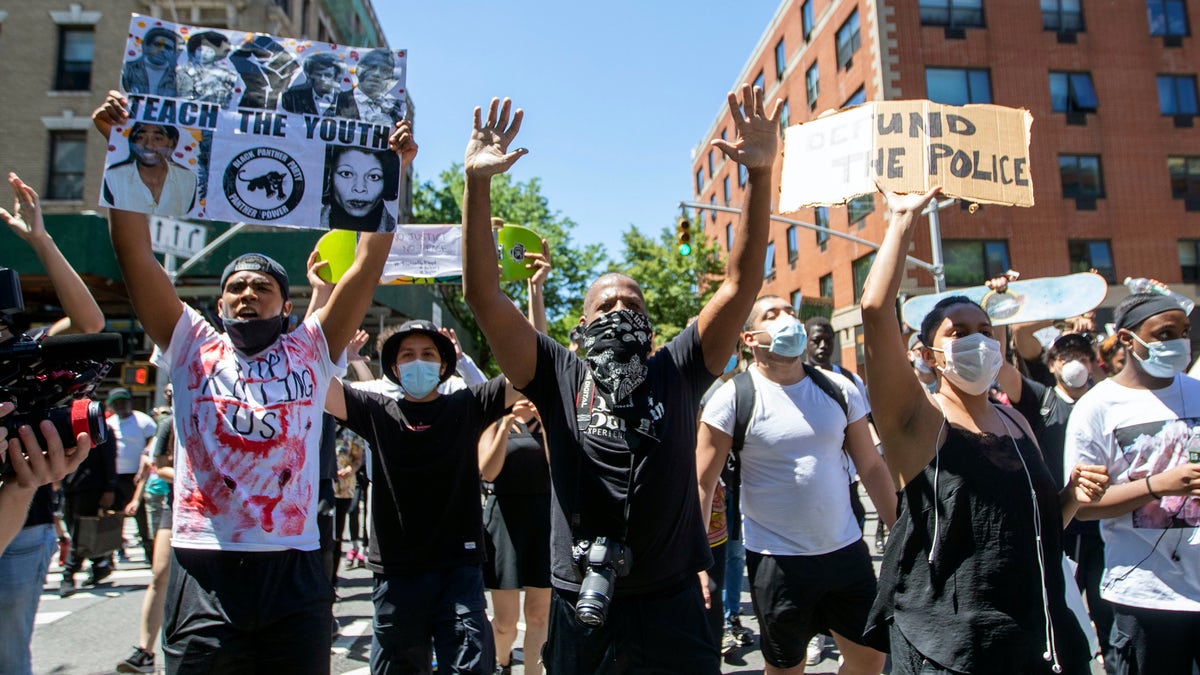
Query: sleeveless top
{"points": [[978, 606], [525, 470]]}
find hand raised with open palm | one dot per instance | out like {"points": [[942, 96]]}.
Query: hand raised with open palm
{"points": [[487, 152], [757, 131]]}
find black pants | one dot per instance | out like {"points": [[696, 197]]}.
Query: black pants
{"points": [[716, 588], [1153, 641], [76, 504], [341, 508], [1087, 550], [230, 612], [664, 632]]}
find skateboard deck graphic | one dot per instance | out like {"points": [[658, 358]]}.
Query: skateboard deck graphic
{"points": [[1025, 300]]}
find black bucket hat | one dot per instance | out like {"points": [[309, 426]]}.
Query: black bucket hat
{"points": [[391, 346]]}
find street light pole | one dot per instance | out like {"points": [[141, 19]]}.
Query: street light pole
{"points": [[938, 269]]}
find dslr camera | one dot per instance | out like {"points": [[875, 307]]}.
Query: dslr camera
{"points": [[52, 377], [600, 561]]}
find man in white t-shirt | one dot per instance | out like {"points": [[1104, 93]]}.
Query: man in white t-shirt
{"points": [[248, 589], [1143, 424], [810, 571], [132, 430]]}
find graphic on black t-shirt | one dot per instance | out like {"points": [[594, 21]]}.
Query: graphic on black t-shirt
{"points": [[1151, 448]]}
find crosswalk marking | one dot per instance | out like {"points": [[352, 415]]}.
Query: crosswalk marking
{"points": [[350, 634], [44, 618]]}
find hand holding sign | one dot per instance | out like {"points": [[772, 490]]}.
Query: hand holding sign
{"points": [[487, 151], [114, 111], [758, 132]]}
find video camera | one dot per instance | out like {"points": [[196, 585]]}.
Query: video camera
{"points": [[601, 561], [52, 377]]}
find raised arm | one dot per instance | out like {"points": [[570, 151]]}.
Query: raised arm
{"points": [[907, 421], [351, 297], [83, 315], [512, 339], [493, 446], [540, 263], [721, 320]]}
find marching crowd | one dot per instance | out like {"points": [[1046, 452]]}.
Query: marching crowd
{"points": [[626, 486]]}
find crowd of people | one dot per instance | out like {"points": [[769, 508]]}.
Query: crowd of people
{"points": [[624, 486]]}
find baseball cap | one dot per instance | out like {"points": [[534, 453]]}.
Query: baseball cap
{"points": [[257, 262], [118, 394]]}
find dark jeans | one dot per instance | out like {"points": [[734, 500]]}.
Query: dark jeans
{"points": [[445, 605], [341, 507], [663, 632], [76, 504], [716, 589], [231, 612], [1087, 550], [1153, 641]]}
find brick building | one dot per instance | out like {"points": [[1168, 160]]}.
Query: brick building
{"points": [[1115, 156]]}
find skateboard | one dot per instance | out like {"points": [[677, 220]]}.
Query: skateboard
{"points": [[1025, 300]]}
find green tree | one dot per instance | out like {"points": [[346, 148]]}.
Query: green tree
{"points": [[675, 286], [520, 204]]}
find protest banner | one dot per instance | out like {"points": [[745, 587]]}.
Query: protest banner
{"points": [[234, 126], [979, 153], [420, 254]]}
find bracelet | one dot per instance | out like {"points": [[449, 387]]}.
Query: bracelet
{"points": [[1150, 489]]}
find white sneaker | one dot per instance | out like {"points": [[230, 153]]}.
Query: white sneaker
{"points": [[816, 650]]}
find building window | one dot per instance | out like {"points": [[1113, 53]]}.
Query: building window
{"points": [[861, 268], [711, 161], [848, 40], [780, 59], [729, 236], [797, 300], [769, 262], [743, 174], [1167, 17], [954, 13], [75, 49], [1081, 176], [857, 98], [68, 152], [859, 207], [725, 184], [821, 216], [785, 113], [806, 19], [970, 262], [699, 181], [761, 82], [713, 201], [812, 85], [958, 86], [825, 286], [1092, 254], [1189, 260], [1072, 92], [1063, 16], [1185, 180], [1177, 94], [793, 244]]}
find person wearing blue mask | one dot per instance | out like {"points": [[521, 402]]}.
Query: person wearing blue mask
{"points": [[810, 571], [1144, 425], [427, 537]]}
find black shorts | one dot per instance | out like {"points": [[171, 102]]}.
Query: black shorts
{"points": [[1153, 641], [797, 597], [518, 541]]}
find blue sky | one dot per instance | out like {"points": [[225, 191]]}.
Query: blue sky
{"points": [[616, 95]]}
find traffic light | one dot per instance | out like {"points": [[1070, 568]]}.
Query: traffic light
{"points": [[683, 236], [137, 375]]}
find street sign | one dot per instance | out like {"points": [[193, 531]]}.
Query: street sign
{"points": [[177, 237]]}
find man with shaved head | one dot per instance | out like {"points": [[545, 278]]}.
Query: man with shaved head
{"points": [[627, 539]]}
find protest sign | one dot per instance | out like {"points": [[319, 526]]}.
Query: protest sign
{"points": [[979, 153], [234, 126], [420, 254]]}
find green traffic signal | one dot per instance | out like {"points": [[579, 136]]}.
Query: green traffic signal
{"points": [[685, 249]]}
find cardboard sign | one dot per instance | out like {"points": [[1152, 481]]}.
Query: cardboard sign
{"points": [[979, 153], [234, 126]]}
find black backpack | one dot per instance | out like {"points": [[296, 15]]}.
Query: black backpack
{"points": [[743, 406]]}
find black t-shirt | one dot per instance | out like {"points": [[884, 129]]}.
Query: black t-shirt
{"points": [[525, 470], [428, 452], [41, 508], [590, 470]]}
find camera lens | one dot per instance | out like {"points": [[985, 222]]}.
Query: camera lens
{"points": [[595, 596]]}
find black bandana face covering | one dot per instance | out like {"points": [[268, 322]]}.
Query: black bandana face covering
{"points": [[617, 345], [251, 336]]}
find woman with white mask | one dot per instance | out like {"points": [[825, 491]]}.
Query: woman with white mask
{"points": [[971, 581]]}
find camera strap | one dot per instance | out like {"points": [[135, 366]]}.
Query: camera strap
{"points": [[584, 402]]}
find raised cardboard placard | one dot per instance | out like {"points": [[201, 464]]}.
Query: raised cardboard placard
{"points": [[979, 153]]}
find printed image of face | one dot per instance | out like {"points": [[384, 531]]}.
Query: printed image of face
{"points": [[324, 81], [374, 79], [358, 182], [150, 145], [159, 51]]}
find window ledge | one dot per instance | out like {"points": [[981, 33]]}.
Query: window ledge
{"points": [[69, 93], [1184, 121]]}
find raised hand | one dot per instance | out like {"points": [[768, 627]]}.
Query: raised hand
{"points": [[453, 337], [487, 152], [912, 202], [540, 264], [312, 272], [355, 345], [757, 132], [402, 143], [26, 218], [114, 111]]}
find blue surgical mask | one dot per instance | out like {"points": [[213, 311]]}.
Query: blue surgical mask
{"points": [[1165, 359], [732, 365], [788, 337], [420, 377]]}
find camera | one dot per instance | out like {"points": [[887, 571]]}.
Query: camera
{"points": [[601, 561], [51, 377]]}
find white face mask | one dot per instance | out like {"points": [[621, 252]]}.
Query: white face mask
{"points": [[972, 363], [1165, 359], [1074, 374]]}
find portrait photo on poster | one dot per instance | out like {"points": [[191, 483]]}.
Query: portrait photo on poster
{"points": [[158, 174], [360, 189]]}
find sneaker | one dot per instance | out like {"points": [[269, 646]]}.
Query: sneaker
{"points": [[745, 636], [729, 642], [98, 575], [816, 650], [880, 538], [67, 588], [140, 661], [122, 557], [503, 670]]}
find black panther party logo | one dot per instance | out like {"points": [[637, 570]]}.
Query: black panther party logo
{"points": [[264, 183]]}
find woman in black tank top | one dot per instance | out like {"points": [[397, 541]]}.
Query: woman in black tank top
{"points": [[972, 579]]}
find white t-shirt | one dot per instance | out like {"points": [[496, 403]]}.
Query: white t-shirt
{"points": [[247, 437], [1135, 433], [131, 435], [125, 189], [794, 496]]}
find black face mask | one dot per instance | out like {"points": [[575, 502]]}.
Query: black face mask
{"points": [[617, 345], [251, 336]]}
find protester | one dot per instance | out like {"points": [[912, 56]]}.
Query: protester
{"points": [[622, 476], [1112, 355], [926, 375], [133, 431], [1142, 425], [971, 581], [248, 584], [427, 538], [810, 571]]}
